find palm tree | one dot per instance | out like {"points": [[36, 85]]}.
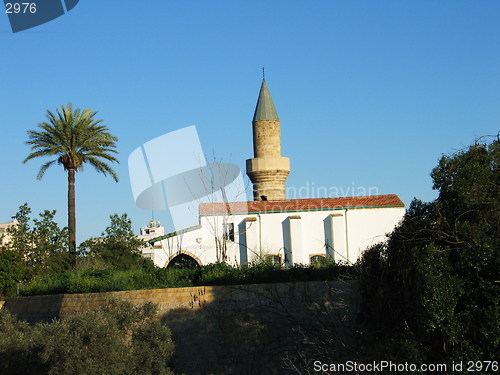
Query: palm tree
{"points": [[73, 137]]}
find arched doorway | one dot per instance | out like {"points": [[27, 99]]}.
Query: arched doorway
{"points": [[183, 260]]}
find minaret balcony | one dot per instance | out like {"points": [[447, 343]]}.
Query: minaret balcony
{"points": [[273, 163]]}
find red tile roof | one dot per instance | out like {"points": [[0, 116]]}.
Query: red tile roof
{"points": [[315, 204]]}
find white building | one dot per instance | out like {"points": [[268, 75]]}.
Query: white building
{"points": [[290, 232], [4, 236], [271, 227]]}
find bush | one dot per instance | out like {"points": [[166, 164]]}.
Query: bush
{"points": [[121, 339], [20, 345]]}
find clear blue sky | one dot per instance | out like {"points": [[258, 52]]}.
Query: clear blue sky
{"points": [[369, 93]]}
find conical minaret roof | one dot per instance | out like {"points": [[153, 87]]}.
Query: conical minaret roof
{"points": [[265, 107]]}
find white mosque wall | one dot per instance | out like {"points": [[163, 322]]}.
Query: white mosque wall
{"points": [[338, 234]]}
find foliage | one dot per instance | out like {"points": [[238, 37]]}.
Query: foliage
{"points": [[118, 247], [40, 250], [50, 246], [19, 343], [121, 339], [75, 138], [11, 270], [432, 290], [20, 235], [87, 281]]}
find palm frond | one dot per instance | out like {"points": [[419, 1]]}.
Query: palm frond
{"points": [[44, 167], [42, 152], [102, 167]]}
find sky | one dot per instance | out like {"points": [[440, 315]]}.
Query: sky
{"points": [[370, 94]]}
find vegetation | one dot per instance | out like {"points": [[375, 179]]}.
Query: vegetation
{"points": [[120, 339], [75, 137], [11, 270], [87, 281], [37, 253], [431, 293], [40, 250], [117, 248]]}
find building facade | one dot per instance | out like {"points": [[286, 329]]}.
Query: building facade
{"points": [[295, 231]]}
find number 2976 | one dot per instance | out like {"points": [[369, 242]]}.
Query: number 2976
{"points": [[20, 8]]}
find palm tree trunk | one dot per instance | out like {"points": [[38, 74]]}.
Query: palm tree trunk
{"points": [[72, 214]]}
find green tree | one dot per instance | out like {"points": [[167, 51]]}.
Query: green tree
{"points": [[11, 270], [118, 247], [50, 245], [20, 235], [16, 250], [433, 288], [43, 248], [74, 137]]}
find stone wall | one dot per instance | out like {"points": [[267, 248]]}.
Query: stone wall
{"points": [[245, 329]]}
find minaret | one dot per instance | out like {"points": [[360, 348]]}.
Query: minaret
{"points": [[268, 170]]}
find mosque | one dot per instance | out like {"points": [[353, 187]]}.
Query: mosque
{"points": [[271, 227]]}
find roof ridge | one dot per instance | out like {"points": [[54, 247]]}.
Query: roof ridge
{"points": [[301, 204], [304, 199]]}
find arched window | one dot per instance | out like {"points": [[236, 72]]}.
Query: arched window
{"points": [[183, 261]]}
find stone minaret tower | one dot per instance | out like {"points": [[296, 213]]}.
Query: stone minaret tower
{"points": [[268, 170]]}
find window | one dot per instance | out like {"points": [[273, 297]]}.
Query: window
{"points": [[229, 232], [274, 260], [317, 260]]}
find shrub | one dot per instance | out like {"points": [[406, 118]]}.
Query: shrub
{"points": [[20, 345], [121, 339]]}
